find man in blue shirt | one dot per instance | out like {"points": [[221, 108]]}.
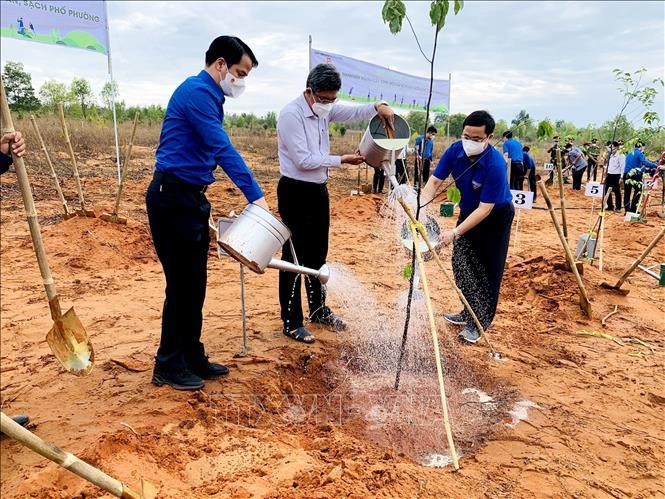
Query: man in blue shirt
{"points": [[424, 156], [512, 153], [482, 234], [636, 166], [576, 161], [191, 146], [530, 166]]}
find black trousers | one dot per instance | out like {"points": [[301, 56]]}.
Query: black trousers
{"points": [[305, 209], [516, 175], [577, 179], [423, 175], [592, 169], [178, 214], [631, 193], [532, 182], [400, 171], [378, 180], [479, 257], [426, 166], [612, 183]]}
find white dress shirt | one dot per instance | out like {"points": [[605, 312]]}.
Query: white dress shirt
{"points": [[616, 164], [303, 145]]}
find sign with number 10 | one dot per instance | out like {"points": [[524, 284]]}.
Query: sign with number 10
{"points": [[522, 200], [548, 167]]}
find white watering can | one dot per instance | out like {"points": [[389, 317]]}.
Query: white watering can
{"points": [[253, 239]]}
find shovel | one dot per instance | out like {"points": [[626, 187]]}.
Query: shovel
{"points": [[114, 217], [68, 214], [83, 212], [67, 338], [622, 279], [72, 463]]}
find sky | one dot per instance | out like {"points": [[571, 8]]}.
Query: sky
{"points": [[553, 59]]}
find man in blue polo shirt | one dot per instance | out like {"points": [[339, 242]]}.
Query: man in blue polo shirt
{"points": [[512, 153], [191, 146], [424, 155], [636, 166], [482, 233]]}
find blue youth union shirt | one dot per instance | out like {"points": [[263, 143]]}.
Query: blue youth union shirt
{"points": [[429, 146], [485, 182], [514, 149], [193, 140]]}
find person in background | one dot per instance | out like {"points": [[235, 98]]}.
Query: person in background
{"points": [[424, 155], [12, 143], [605, 154], [593, 151], [481, 237], [401, 166], [514, 156], [553, 158], [577, 163], [615, 166], [192, 144], [637, 165], [378, 180], [302, 193], [530, 166]]}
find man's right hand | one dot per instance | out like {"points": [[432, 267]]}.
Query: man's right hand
{"points": [[13, 140], [352, 159]]}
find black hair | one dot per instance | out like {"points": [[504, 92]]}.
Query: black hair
{"points": [[231, 48], [431, 129], [609, 143], [615, 143], [594, 140], [569, 146], [508, 134], [324, 77], [639, 143], [480, 118], [526, 149]]}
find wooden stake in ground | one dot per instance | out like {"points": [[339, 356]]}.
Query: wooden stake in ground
{"points": [[67, 214], [67, 338], [437, 353], [622, 279], [585, 304], [83, 212], [564, 221], [72, 463], [451, 281], [113, 217]]}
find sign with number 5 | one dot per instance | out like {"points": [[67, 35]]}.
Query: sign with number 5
{"points": [[593, 190], [522, 200]]}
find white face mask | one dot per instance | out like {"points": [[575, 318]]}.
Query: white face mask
{"points": [[232, 86], [473, 148], [321, 110]]}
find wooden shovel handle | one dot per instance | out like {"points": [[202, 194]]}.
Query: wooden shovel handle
{"points": [[65, 132], [65, 459], [48, 160], [648, 249], [29, 203]]}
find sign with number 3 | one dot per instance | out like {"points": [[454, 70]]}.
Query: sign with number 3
{"points": [[522, 200]]}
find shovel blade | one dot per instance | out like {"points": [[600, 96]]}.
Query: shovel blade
{"points": [[116, 219], [614, 287], [70, 344]]}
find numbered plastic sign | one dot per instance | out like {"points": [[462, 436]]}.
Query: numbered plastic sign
{"points": [[548, 167], [593, 190], [522, 199]]}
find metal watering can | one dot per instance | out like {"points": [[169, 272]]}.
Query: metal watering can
{"points": [[253, 239], [377, 144]]}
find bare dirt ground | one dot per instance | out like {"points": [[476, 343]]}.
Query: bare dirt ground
{"points": [[599, 430]]}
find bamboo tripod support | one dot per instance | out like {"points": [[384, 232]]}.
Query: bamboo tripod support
{"points": [[72, 463], [68, 214], [451, 281], [437, 353], [83, 212], [585, 304]]}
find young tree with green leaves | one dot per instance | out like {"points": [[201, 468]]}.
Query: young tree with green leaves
{"points": [[18, 85], [82, 93], [52, 93]]}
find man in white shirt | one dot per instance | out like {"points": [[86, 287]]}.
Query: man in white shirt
{"points": [[615, 167], [302, 194]]}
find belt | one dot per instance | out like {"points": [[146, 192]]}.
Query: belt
{"points": [[171, 180]]}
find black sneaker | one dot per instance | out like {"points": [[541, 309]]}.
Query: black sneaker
{"points": [[326, 317], [208, 370], [469, 334], [457, 319], [182, 379], [22, 420]]}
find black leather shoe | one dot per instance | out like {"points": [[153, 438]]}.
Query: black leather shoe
{"points": [[22, 419], [182, 379], [326, 317], [208, 370]]}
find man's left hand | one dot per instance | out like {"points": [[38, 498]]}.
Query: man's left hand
{"points": [[15, 141], [386, 115], [447, 237]]}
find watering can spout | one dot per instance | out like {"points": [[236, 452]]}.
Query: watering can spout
{"points": [[323, 274]]}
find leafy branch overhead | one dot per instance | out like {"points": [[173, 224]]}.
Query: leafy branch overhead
{"points": [[394, 12]]}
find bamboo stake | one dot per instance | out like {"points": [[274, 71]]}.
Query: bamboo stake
{"points": [[437, 353], [66, 459], [461, 296], [601, 235], [585, 304], [68, 214], [83, 212], [564, 220]]}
